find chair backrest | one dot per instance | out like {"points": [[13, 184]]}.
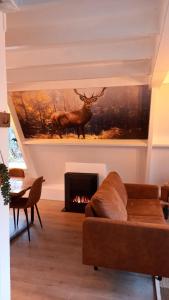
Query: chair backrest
{"points": [[16, 172], [35, 192]]}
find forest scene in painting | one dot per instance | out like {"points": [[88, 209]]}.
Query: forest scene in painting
{"points": [[93, 113]]}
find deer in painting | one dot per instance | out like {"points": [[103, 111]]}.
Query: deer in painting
{"points": [[76, 119]]}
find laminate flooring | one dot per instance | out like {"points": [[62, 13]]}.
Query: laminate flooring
{"points": [[50, 267]]}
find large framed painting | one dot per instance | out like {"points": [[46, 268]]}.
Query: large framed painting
{"points": [[92, 113]]}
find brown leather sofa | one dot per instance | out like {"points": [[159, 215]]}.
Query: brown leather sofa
{"points": [[125, 228]]}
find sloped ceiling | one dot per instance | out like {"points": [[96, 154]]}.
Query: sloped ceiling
{"points": [[70, 40]]}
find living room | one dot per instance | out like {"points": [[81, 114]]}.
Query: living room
{"points": [[83, 50]]}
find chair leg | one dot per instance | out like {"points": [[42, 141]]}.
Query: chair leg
{"points": [[38, 216], [26, 214], [14, 218], [17, 217]]}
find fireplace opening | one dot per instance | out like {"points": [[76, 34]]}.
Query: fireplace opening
{"points": [[79, 188]]}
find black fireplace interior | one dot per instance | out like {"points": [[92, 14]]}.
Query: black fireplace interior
{"points": [[79, 188]]}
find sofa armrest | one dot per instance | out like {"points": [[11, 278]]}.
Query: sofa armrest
{"points": [[130, 246], [165, 193], [142, 191], [89, 212]]}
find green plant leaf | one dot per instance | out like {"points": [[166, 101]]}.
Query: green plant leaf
{"points": [[5, 184]]}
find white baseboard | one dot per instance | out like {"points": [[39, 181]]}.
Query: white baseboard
{"points": [[53, 192]]}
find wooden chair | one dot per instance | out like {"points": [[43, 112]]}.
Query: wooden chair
{"points": [[16, 172], [30, 201]]}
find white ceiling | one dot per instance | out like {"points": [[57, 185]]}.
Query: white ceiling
{"points": [[70, 39]]}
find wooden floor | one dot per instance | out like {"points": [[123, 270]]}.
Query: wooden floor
{"points": [[50, 266]]}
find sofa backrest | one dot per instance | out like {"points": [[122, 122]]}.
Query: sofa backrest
{"points": [[107, 201], [115, 180]]}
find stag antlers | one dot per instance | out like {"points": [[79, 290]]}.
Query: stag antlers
{"points": [[76, 119], [91, 99]]}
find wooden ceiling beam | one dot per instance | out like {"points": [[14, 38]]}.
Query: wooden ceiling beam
{"points": [[104, 51]]}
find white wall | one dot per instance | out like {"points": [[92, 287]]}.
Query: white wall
{"points": [[159, 165], [49, 160], [4, 210], [136, 161], [161, 116]]}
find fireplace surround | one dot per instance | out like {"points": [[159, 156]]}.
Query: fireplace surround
{"points": [[79, 188]]}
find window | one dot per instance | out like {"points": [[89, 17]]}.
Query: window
{"points": [[15, 154]]}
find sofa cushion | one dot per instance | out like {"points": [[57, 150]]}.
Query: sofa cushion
{"points": [[145, 210], [147, 219], [115, 180], [107, 203], [144, 207]]}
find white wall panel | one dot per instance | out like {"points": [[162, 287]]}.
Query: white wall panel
{"points": [[4, 210], [50, 160], [161, 116], [129, 158], [159, 160], [159, 172]]}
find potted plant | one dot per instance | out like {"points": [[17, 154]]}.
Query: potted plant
{"points": [[4, 182]]}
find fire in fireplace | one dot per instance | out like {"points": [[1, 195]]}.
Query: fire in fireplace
{"points": [[79, 188], [81, 199]]}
